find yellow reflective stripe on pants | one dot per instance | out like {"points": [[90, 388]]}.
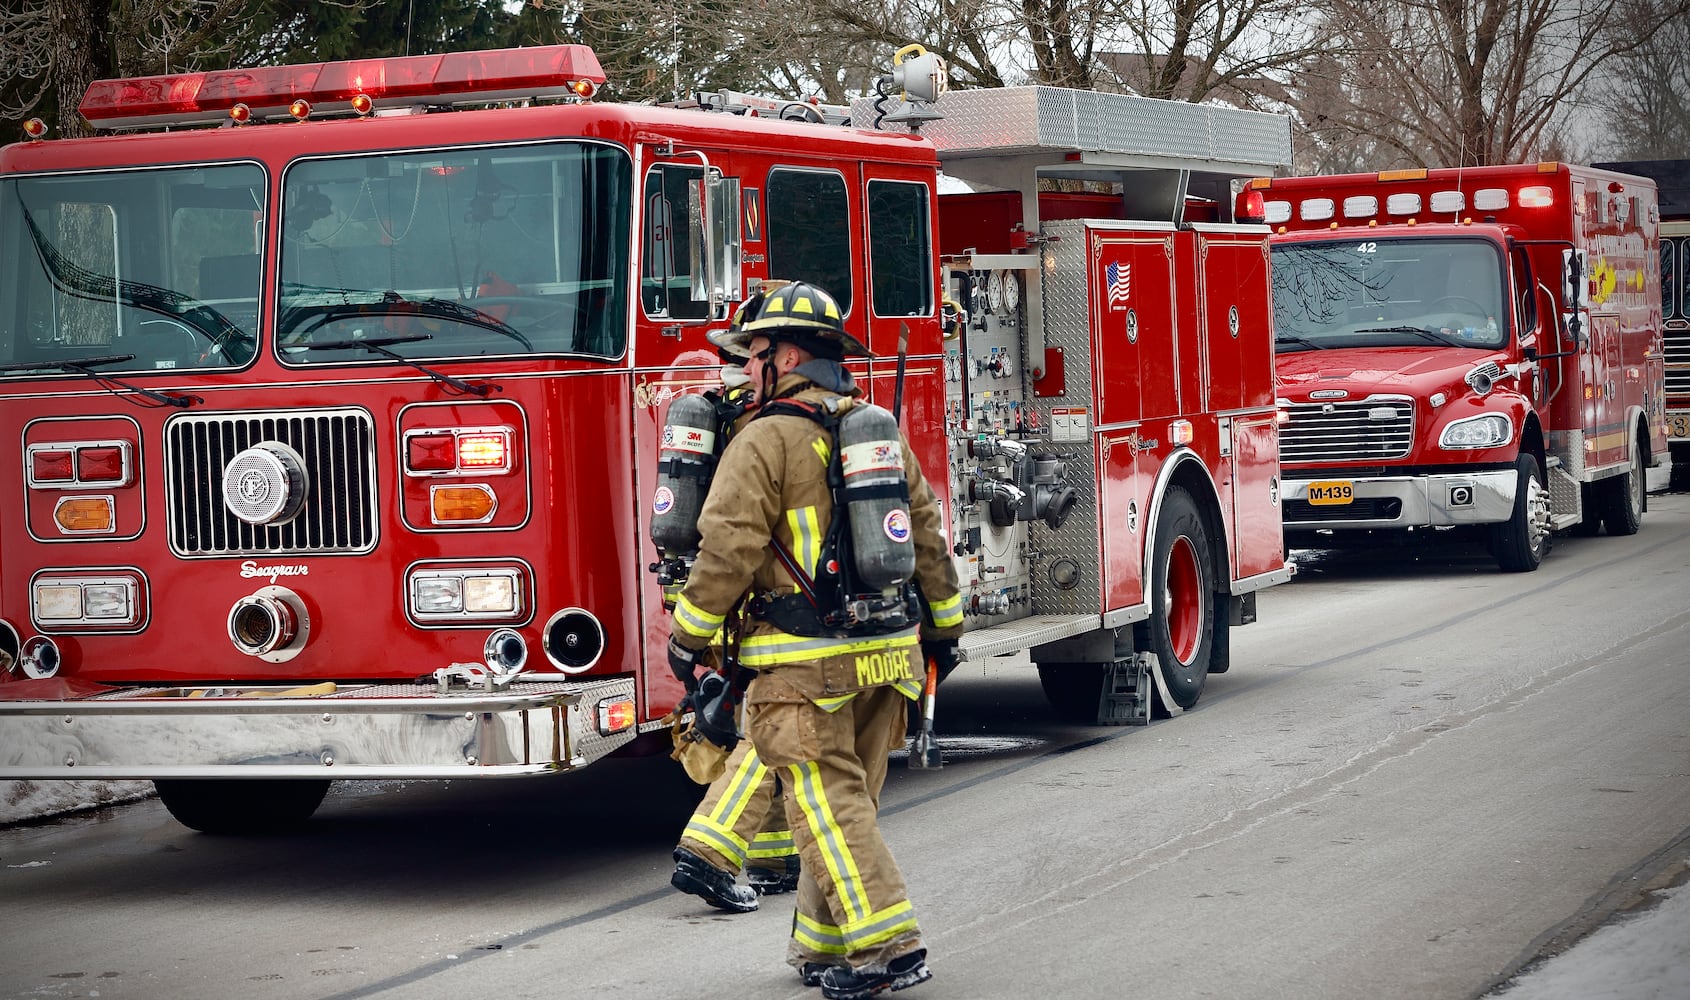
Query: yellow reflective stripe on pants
{"points": [[770, 649], [695, 620], [836, 854], [715, 826], [878, 927], [775, 844], [947, 612], [824, 939]]}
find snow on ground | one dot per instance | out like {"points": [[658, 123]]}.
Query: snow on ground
{"points": [[1643, 956], [21, 800]]}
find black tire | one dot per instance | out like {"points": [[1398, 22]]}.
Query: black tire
{"points": [[1074, 690], [1521, 542], [243, 805], [1181, 627], [1625, 497]]}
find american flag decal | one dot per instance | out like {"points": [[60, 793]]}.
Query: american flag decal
{"points": [[1119, 278]]}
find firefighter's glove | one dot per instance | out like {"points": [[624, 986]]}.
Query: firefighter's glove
{"points": [[942, 652], [714, 716], [683, 662]]}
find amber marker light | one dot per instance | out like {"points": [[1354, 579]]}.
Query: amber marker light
{"points": [[35, 128], [84, 515], [461, 504], [362, 104], [240, 114], [584, 89], [615, 715], [300, 109]]}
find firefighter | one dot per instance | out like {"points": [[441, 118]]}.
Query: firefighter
{"points": [[741, 823], [829, 699]]}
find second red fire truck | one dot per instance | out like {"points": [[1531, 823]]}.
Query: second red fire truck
{"points": [[336, 393], [1474, 350]]}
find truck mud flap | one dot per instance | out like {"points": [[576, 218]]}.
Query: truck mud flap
{"points": [[382, 730]]}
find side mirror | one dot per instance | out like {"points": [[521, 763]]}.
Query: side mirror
{"points": [[714, 240]]}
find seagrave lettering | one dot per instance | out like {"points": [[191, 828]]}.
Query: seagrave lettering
{"points": [[250, 569]]}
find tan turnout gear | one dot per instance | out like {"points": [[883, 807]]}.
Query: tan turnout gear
{"points": [[741, 818], [825, 710]]}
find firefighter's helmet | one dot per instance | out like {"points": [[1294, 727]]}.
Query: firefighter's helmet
{"points": [[798, 312]]}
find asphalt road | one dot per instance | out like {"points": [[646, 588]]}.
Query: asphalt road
{"points": [[1419, 774]]}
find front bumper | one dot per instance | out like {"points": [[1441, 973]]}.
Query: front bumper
{"points": [[364, 731], [1383, 502]]}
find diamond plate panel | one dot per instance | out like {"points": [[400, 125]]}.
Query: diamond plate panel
{"points": [[1067, 328], [1011, 119]]}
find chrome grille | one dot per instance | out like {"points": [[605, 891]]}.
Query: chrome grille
{"points": [[338, 446], [1678, 362], [1349, 430]]}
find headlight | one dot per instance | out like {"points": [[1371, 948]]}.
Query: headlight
{"points": [[1485, 431]]}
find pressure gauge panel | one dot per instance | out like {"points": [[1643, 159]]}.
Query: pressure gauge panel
{"points": [[994, 291], [1011, 291]]}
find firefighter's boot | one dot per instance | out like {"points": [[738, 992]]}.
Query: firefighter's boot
{"points": [[713, 885], [901, 973], [774, 876]]}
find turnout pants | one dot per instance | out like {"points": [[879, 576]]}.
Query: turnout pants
{"points": [[741, 818], [852, 905]]}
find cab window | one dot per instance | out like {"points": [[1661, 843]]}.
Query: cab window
{"points": [[809, 230], [900, 249]]}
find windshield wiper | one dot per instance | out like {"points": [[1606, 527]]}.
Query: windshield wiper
{"points": [[1286, 338], [392, 303], [379, 345], [82, 368], [1418, 331]]}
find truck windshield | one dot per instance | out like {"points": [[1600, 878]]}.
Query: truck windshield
{"points": [[1362, 293], [159, 264], [515, 250]]}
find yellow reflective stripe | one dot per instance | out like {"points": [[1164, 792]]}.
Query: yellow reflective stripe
{"points": [[948, 612], [836, 854], [818, 937], [823, 450], [806, 538], [774, 844], [726, 843], [739, 791], [772, 648], [694, 620], [878, 928], [909, 689], [831, 705]]}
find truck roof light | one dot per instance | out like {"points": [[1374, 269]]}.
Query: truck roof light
{"points": [[1548, 166], [1251, 206], [545, 71], [1260, 183], [1316, 209], [35, 128], [1416, 174], [1536, 197], [300, 108], [1490, 199], [1402, 203], [240, 114], [362, 104], [1449, 201]]}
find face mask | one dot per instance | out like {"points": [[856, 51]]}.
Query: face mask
{"points": [[733, 376]]}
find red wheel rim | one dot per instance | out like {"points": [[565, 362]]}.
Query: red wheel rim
{"points": [[1182, 601]]}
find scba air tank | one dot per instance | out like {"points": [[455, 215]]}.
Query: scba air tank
{"points": [[877, 496], [686, 461]]}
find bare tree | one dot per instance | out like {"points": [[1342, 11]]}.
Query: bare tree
{"points": [[1642, 106], [1451, 82]]}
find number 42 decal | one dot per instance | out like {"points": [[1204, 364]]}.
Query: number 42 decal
{"points": [[1367, 248]]}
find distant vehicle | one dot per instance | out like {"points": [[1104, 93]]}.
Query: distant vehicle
{"points": [[1475, 349]]}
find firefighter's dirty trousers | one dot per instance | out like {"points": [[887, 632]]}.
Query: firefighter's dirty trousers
{"points": [[852, 905], [741, 818]]}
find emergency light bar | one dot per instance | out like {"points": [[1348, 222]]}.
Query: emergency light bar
{"points": [[361, 85]]}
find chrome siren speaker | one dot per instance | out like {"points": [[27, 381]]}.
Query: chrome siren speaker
{"points": [[39, 657], [574, 640], [271, 624], [265, 484], [505, 652]]}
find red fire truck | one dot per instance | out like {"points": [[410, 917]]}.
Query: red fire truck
{"points": [[1475, 349], [337, 392]]}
